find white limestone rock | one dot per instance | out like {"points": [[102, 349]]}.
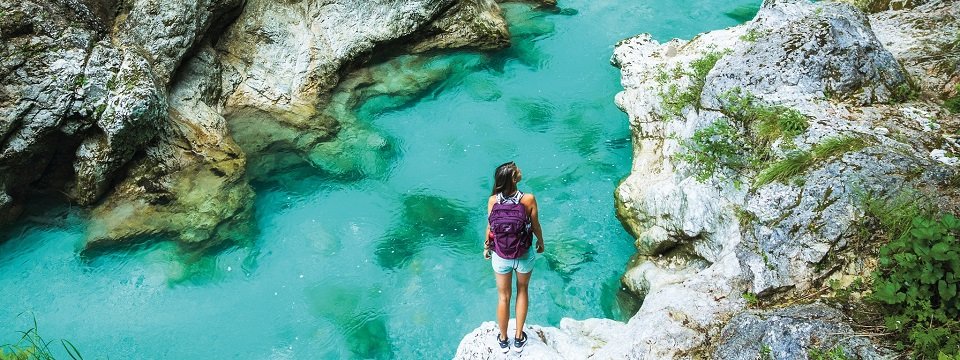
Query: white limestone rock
{"points": [[701, 245], [102, 100]]}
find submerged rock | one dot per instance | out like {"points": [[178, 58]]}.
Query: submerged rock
{"points": [[122, 105], [780, 212]]}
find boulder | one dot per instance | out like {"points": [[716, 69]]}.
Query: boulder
{"points": [[791, 334]]}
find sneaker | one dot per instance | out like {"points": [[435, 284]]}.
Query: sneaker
{"points": [[504, 344], [519, 343]]}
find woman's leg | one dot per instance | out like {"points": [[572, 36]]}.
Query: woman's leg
{"points": [[523, 279], [503, 306]]}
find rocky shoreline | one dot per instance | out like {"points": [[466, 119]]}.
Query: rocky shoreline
{"points": [[832, 106], [147, 112]]}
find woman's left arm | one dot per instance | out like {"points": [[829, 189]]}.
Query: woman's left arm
{"points": [[535, 222]]}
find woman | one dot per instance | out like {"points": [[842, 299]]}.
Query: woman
{"points": [[506, 261]]}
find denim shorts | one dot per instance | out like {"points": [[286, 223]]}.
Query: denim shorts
{"points": [[523, 264]]}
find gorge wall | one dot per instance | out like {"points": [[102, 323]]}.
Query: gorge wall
{"points": [[754, 148], [148, 111]]}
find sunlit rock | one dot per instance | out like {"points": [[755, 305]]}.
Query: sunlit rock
{"points": [[789, 333], [149, 111], [704, 243]]}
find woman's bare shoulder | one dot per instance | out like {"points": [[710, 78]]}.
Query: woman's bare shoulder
{"points": [[528, 198]]}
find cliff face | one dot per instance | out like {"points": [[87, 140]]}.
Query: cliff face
{"points": [[144, 109], [754, 147]]}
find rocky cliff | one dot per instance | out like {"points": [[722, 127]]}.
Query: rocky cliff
{"points": [[754, 149], [148, 111]]}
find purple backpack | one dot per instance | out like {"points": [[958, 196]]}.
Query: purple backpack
{"points": [[510, 227]]}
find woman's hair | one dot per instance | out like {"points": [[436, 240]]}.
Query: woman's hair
{"points": [[504, 179]]}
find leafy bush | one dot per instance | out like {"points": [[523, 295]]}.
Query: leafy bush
{"points": [[674, 99], [714, 148], [751, 35], [916, 282], [745, 142], [942, 356], [835, 353], [953, 103], [767, 122], [906, 92]]}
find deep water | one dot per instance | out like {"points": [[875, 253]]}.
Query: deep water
{"points": [[369, 246]]}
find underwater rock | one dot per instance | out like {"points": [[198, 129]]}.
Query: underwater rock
{"points": [[303, 48], [190, 185], [282, 92], [86, 89], [121, 105]]}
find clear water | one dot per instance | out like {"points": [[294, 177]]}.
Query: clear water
{"points": [[369, 247]]}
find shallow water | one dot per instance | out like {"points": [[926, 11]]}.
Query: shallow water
{"points": [[369, 246]]}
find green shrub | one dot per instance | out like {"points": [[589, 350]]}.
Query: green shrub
{"points": [[752, 35], [916, 283], [768, 122], [765, 352], [906, 92], [836, 353], [794, 164], [942, 356], [675, 100], [714, 148], [953, 103], [895, 213], [745, 142]]}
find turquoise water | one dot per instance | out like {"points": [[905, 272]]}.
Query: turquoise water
{"points": [[369, 247]]}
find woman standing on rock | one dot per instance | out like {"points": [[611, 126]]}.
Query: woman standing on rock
{"points": [[512, 223]]}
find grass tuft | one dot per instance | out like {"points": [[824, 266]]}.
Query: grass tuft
{"points": [[794, 164], [32, 346], [839, 145], [798, 162], [895, 213]]}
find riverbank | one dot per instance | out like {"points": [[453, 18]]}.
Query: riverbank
{"points": [[754, 147]]}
